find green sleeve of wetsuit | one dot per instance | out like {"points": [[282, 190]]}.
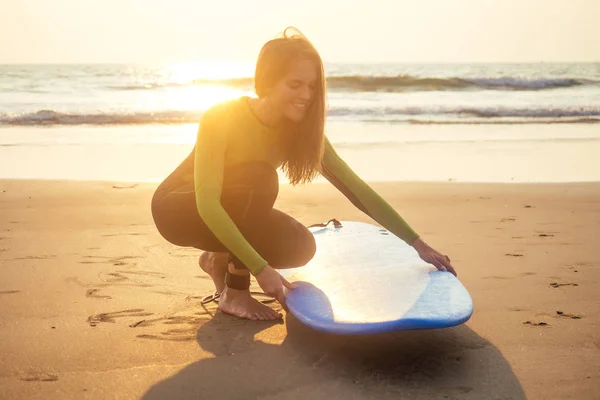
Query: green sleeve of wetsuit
{"points": [[335, 170], [209, 163]]}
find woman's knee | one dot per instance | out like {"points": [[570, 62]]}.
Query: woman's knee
{"points": [[310, 249]]}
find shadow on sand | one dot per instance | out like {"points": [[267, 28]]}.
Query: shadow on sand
{"points": [[451, 363]]}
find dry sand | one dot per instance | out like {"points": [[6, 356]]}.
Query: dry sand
{"points": [[95, 304]]}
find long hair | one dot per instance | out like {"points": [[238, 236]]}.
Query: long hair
{"points": [[302, 142]]}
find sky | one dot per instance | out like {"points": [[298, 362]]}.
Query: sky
{"points": [[374, 31]]}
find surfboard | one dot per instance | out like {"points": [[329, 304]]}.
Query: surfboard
{"points": [[364, 280]]}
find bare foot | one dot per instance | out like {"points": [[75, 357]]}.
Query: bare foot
{"points": [[241, 304], [215, 265]]}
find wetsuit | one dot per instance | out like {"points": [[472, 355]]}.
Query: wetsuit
{"points": [[220, 198]]}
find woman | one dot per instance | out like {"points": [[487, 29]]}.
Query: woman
{"points": [[220, 198]]}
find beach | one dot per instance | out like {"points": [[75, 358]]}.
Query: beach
{"points": [[478, 122], [94, 304], [495, 165]]}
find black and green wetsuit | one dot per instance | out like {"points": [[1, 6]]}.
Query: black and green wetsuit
{"points": [[217, 175]]}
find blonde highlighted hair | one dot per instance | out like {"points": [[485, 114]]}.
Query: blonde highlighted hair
{"points": [[302, 141]]}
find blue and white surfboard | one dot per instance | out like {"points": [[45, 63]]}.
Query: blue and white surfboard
{"points": [[364, 280]]}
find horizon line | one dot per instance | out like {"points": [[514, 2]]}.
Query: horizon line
{"points": [[324, 62]]}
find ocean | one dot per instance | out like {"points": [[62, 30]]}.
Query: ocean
{"points": [[399, 93], [470, 112]]}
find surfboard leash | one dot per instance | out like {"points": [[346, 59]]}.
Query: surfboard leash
{"points": [[336, 224]]}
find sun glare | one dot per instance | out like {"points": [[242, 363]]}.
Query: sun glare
{"points": [[201, 97], [199, 85], [185, 72]]}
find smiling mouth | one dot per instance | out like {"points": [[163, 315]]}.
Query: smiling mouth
{"points": [[299, 106]]}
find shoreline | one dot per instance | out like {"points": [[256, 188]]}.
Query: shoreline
{"points": [[376, 152]]}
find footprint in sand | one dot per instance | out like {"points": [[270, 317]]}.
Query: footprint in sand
{"points": [[186, 338], [120, 277], [108, 279], [556, 284], [179, 334], [36, 257], [94, 320], [125, 187], [174, 320], [39, 377], [521, 275], [542, 323], [93, 293], [114, 277], [145, 273], [170, 293], [109, 260], [175, 335], [194, 320], [571, 316], [545, 234]]}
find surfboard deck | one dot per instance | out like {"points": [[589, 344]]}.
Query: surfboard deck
{"points": [[364, 280]]}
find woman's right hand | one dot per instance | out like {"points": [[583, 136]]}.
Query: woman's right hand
{"points": [[272, 284]]}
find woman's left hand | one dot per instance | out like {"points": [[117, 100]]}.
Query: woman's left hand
{"points": [[430, 255]]}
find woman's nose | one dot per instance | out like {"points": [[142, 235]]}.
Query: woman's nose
{"points": [[305, 93]]}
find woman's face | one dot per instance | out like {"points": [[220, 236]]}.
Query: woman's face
{"points": [[295, 91]]}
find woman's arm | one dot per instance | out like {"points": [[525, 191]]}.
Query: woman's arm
{"points": [[209, 164], [336, 171]]}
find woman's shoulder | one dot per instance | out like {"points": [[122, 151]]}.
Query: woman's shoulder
{"points": [[223, 110]]}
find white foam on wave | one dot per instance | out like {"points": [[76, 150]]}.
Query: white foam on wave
{"points": [[432, 115]]}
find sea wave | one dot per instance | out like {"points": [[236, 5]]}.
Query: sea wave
{"points": [[430, 115], [481, 113], [398, 83], [51, 117]]}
